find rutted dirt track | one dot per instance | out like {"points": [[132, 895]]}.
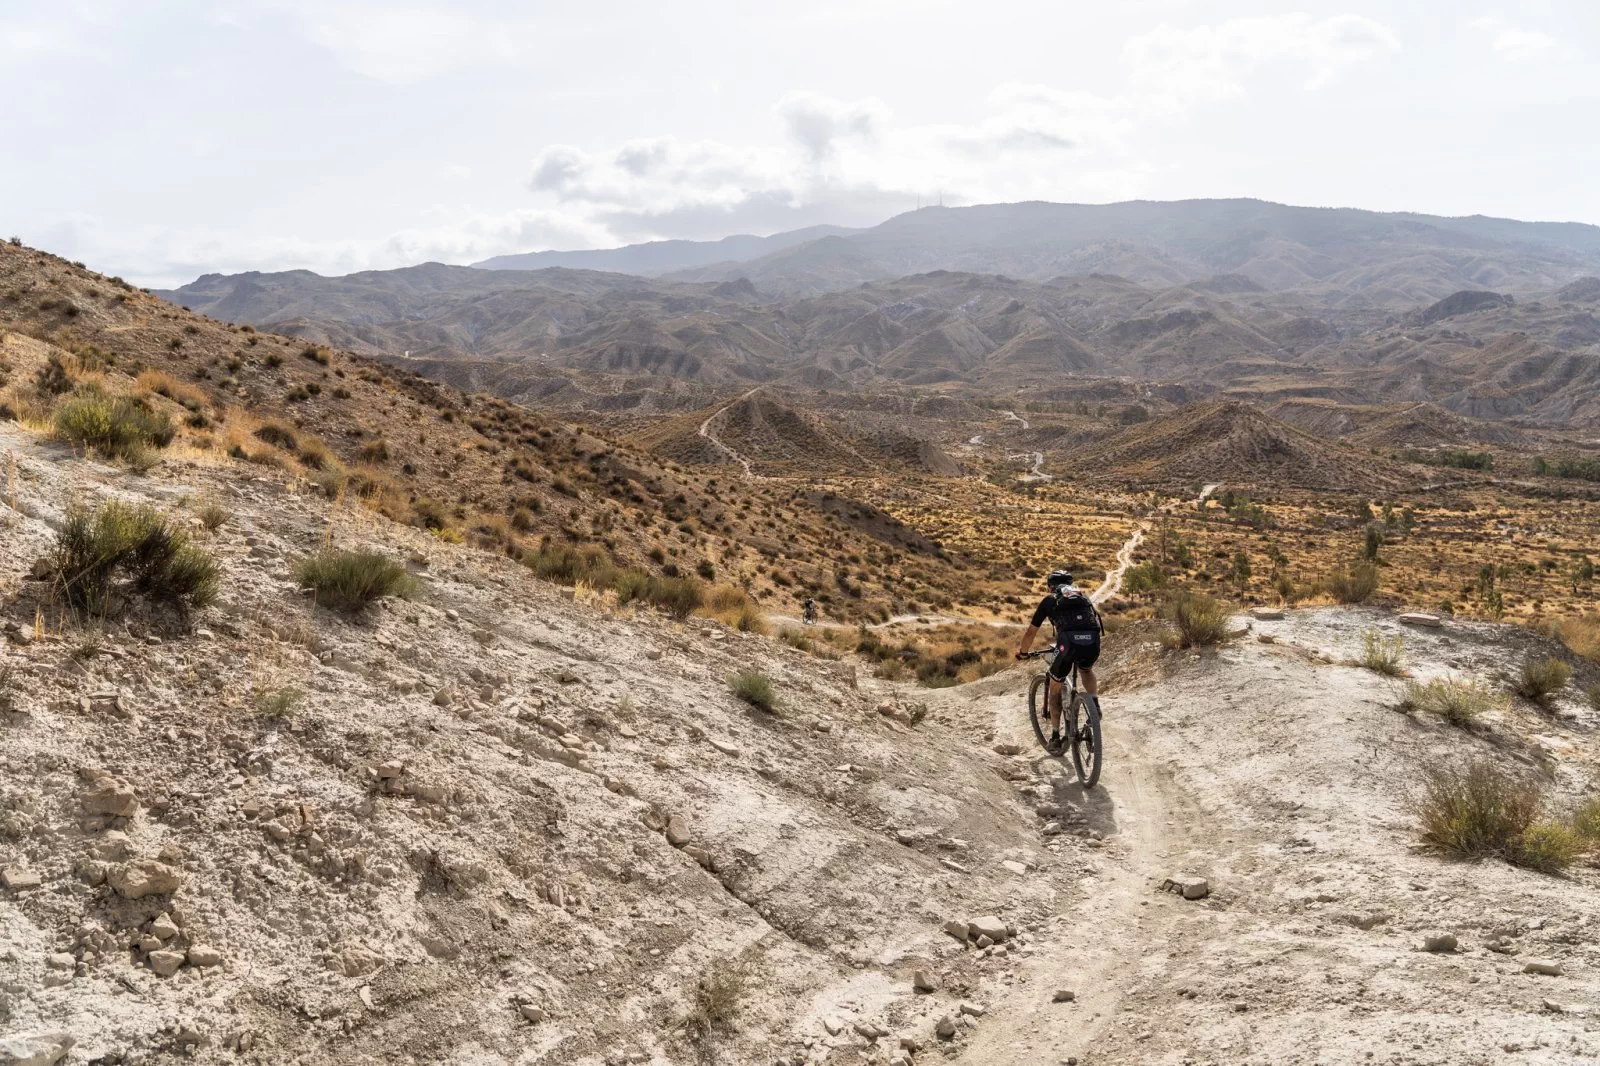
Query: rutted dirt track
{"points": [[1281, 777]]}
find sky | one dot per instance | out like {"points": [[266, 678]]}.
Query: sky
{"points": [[164, 139]]}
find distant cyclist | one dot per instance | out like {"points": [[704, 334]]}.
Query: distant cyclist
{"points": [[1077, 640], [811, 611]]}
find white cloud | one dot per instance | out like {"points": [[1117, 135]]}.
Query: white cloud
{"points": [[1514, 42], [1174, 67]]}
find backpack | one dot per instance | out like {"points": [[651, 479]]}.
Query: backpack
{"points": [[1075, 614]]}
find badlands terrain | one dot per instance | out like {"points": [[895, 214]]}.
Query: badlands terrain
{"points": [[579, 789]]}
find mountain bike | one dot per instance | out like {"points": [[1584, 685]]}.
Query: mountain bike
{"points": [[1081, 716]]}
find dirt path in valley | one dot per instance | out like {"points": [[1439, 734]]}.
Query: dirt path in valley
{"points": [[705, 432]]}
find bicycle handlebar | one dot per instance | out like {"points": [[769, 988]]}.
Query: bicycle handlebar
{"points": [[1036, 654]]}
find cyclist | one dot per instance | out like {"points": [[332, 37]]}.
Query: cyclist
{"points": [[1077, 640], [811, 611]]}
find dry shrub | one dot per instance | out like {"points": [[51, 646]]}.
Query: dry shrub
{"points": [[754, 688], [1197, 620], [116, 427], [1582, 635], [1586, 820], [350, 580], [1383, 655], [718, 998], [1477, 810], [1456, 701], [104, 555], [163, 384], [1352, 583], [213, 515], [734, 608], [1542, 679], [315, 455], [279, 435]]}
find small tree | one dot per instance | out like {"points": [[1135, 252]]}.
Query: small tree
{"points": [[1374, 543], [1241, 571]]}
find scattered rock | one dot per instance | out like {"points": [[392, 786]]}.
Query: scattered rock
{"points": [[1418, 618], [1546, 967], [531, 1013], [945, 1028], [36, 1049], [1267, 614], [833, 1025], [972, 1010], [1015, 867], [870, 1031], [144, 877], [203, 955], [165, 963], [163, 927], [957, 930], [18, 879], [923, 981], [678, 832], [1187, 886], [109, 796], [1007, 748], [1064, 995], [988, 925], [1439, 942], [61, 961]]}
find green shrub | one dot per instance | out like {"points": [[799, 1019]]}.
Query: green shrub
{"points": [[1143, 578], [350, 580], [1478, 810], [213, 516], [1548, 847], [103, 555], [276, 702], [1197, 619], [278, 435], [1383, 655], [1586, 820], [754, 689], [1541, 680], [1457, 702], [116, 427], [1355, 583], [718, 997], [1593, 692]]}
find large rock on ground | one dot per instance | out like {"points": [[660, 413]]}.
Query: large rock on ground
{"points": [[144, 877], [38, 1049], [988, 926]]}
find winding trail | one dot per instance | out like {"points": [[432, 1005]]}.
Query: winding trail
{"points": [[705, 432]]}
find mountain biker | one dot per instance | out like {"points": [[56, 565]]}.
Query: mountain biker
{"points": [[1077, 639], [811, 611]]}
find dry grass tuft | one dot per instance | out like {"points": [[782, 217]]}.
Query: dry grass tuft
{"points": [[350, 580], [1383, 655], [754, 688], [1458, 702], [1197, 621], [1542, 679]]}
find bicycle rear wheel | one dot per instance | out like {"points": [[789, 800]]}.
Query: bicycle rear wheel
{"points": [[1038, 713], [1086, 748]]}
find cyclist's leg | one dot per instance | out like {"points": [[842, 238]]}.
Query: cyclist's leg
{"points": [[1088, 682]]}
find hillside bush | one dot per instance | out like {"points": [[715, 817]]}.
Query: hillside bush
{"points": [[1382, 655], [1540, 680], [166, 385], [1353, 583], [350, 580], [1197, 620], [1143, 578], [103, 556], [123, 428], [753, 688], [1458, 702], [1477, 810]]}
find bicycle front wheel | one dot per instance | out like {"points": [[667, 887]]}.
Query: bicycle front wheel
{"points": [[1086, 748], [1038, 713]]}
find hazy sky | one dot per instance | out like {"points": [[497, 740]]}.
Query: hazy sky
{"points": [[161, 139]]}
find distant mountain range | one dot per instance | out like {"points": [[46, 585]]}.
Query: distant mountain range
{"points": [[1486, 318]]}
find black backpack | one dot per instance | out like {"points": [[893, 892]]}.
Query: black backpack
{"points": [[1075, 614]]}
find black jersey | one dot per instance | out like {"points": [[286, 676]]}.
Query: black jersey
{"points": [[1070, 612]]}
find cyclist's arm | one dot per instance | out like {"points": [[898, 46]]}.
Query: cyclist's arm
{"points": [[1027, 641]]}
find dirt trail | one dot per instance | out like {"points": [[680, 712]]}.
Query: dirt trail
{"points": [[1280, 777], [705, 432]]}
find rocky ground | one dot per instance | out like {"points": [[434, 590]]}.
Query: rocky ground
{"points": [[494, 824]]}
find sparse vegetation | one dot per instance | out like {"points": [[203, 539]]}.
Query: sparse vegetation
{"points": [[104, 556], [754, 688], [1477, 810], [350, 580], [1383, 655], [116, 427], [1352, 583], [213, 515], [1458, 702], [1539, 680], [276, 702], [718, 997], [1197, 620]]}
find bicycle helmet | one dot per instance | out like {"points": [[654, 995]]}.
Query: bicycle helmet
{"points": [[1058, 578]]}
